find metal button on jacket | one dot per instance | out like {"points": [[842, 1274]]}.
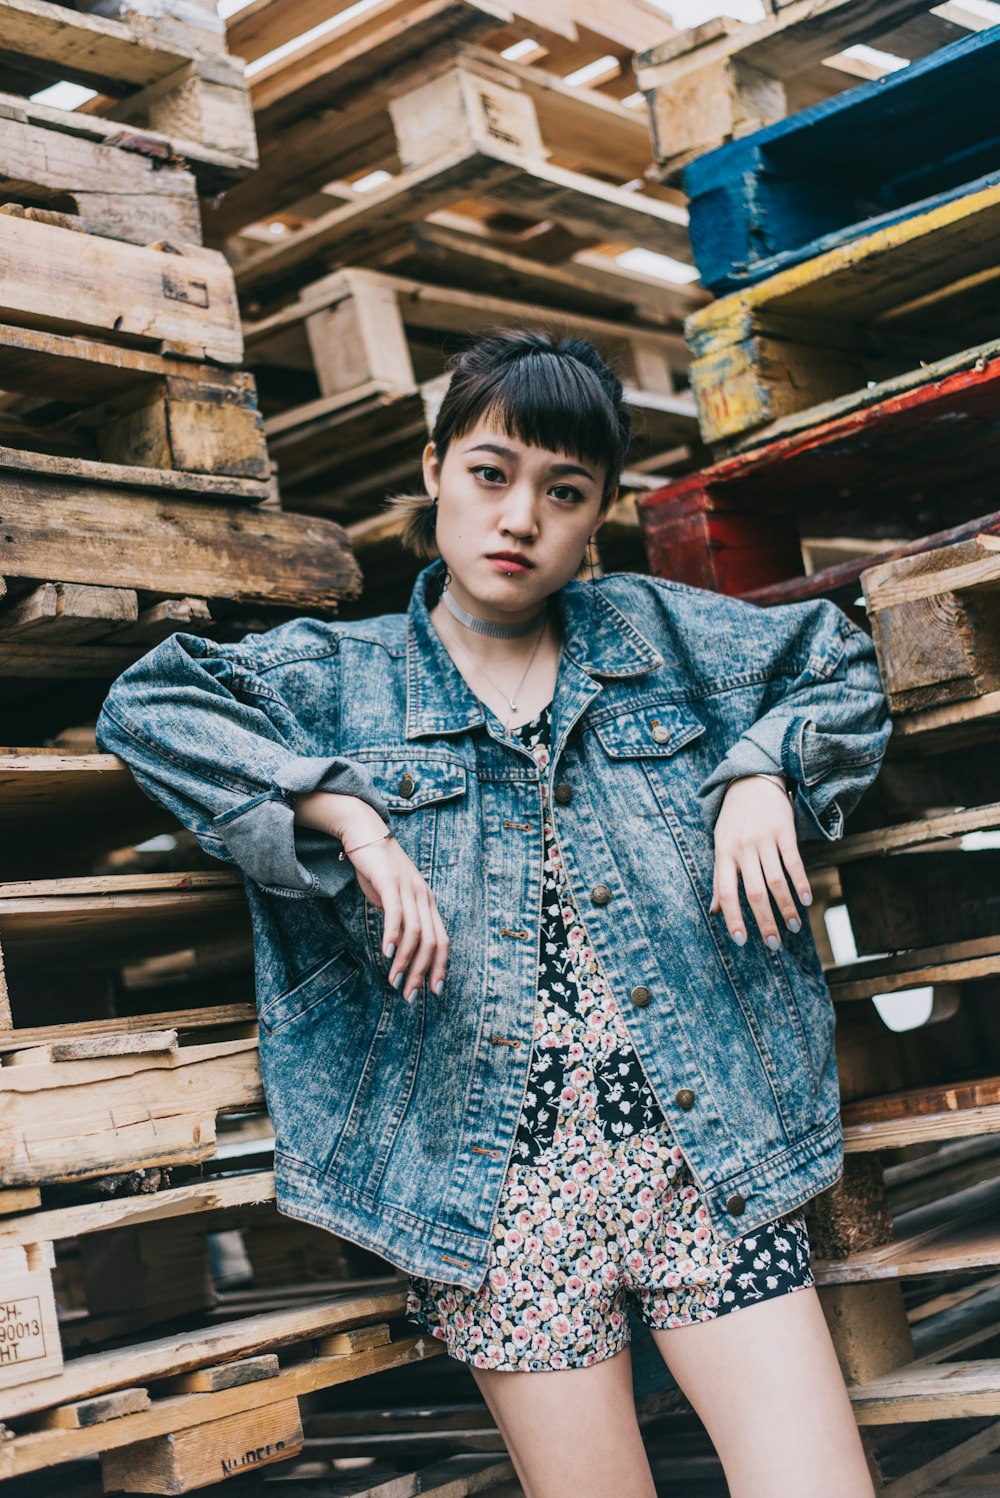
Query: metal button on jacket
{"points": [[736, 1206], [661, 734], [563, 793], [405, 787], [600, 894], [685, 1098], [640, 995]]}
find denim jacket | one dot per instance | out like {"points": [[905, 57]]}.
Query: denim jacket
{"points": [[394, 1123]]}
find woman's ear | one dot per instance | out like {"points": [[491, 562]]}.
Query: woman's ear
{"points": [[605, 509], [432, 470]]}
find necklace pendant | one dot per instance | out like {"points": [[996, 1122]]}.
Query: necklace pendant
{"points": [[513, 704]]}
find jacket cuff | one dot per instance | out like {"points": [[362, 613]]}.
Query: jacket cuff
{"points": [[757, 752], [286, 858]]}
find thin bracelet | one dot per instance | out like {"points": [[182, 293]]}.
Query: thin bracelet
{"points": [[344, 851], [759, 775]]}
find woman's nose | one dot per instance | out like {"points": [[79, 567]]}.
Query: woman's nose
{"points": [[520, 513]]}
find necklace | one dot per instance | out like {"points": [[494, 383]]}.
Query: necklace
{"points": [[488, 626], [506, 695]]}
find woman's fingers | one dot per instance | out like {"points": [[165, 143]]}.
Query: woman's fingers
{"points": [[729, 896], [410, 937], [413, 934]]}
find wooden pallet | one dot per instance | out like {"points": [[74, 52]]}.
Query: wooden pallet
{"points": [[163, 76], [723, 80], [720, 527], [335, 79], [369, 350], [886, 306], [845, 168], [173, 542], [486, 136], [934, 625]]}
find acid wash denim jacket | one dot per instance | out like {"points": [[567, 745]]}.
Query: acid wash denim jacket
{"points": [[394, 1123]]}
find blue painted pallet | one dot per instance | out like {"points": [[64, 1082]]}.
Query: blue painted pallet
{"points": [[844, 168]]}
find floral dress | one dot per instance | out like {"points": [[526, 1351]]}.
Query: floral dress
{"points": [[598, 1202]]}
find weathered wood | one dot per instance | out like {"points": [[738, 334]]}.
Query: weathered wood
{"points": [[896, 902], [936, 623], [67, 612], [189, 1019], [951, 963], [823, 329], [120, 538], [174, 302], [116, 191], [781, 195], [178, 1462], [221, 1194], [76, 1120], [224, 1376], [30, 1348], [120, 1367], [722, 80], [903, 442], [84, 1412]]}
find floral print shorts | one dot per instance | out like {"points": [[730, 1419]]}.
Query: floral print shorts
{"points": [[598, 1204]]}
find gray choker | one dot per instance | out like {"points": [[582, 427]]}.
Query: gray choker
{"points": [[488, 627]]}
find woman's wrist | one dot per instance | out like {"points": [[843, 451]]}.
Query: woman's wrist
{"points": [[347, 818]]}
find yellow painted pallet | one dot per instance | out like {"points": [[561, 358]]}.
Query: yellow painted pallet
{"points": [[893, 303]]}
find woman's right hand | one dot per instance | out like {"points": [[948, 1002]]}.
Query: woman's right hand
{"points": [[413, 937]]}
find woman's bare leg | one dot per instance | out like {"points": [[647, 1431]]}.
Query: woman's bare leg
{"points": [[571, 1432], [767, 1386]]}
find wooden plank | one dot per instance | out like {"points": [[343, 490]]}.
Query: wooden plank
{"points": [[213, 169], [954, 962], [77, 1120], [91, 472], [93, 49], [816, 321], [120, 538], [221, 1194], [121, 1367], [934, 623], [777, 197], [120, 193], [903, 441], [178, 1461], [177, 303], [95, 1411], [189, 1019], [30, 1349]]}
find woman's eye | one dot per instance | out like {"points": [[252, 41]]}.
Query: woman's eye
{"points": [[566, 491], [489, 474]]}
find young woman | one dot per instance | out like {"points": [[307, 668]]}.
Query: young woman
{"points": [[517, 1033]]}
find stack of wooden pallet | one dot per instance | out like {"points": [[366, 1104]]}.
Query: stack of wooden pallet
{"points": [[844, 379], [137, 499], [474, 187]]}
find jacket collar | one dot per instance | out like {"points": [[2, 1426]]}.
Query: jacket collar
{"points": [[597, 639]]}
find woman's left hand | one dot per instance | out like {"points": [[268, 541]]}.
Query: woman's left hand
{"points": [[754, 836]]}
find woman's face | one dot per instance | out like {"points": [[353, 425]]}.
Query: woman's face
{"points": [[498, 494]]}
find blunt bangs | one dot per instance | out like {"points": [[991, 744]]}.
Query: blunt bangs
{"points": [[546, 398]]}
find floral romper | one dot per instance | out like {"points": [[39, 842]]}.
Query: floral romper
{"points": [[598, 1202]]}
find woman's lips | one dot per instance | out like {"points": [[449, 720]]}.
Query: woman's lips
{"points": [[505, 564]]}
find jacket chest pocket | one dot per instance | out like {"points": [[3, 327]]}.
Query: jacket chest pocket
{"points": [[654, 754], [425, 801]]}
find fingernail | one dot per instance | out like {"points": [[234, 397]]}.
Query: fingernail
{"points": [[795, 924], [409, 997], [739, 937], [397, 981], [390, 950], [805, 897], [774, 942], [439, 987]]}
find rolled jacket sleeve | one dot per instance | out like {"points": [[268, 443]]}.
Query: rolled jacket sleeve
{"points": [[204, 735], [828, 729]]}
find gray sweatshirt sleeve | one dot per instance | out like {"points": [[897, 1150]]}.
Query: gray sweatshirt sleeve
{"points": [[207, 737], [826, 733]]}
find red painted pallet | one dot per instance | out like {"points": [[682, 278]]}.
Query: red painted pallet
{"points": [[929, 457]]}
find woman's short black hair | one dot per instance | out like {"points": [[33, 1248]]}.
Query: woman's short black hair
{"points": [[553, 393]]}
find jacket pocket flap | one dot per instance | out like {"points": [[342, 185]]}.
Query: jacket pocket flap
{"points": [[406, 785], [657, 729], [319, 982]]}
